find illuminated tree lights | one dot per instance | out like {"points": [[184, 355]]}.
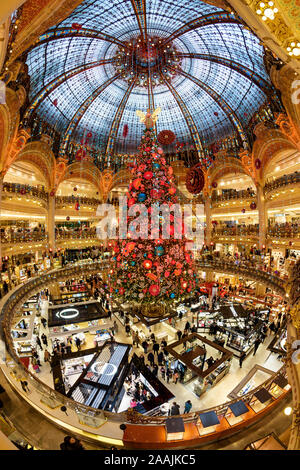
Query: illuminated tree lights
{"points": [[151, 269]]}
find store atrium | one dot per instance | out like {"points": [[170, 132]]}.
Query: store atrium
{"points": [[150, 225]]}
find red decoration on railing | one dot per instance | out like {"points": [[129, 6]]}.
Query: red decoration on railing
{"points": [[77, 26]]}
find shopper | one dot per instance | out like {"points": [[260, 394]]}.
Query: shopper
{"points": [[44, 322], [160, 358], [44, 339], [187, 406], [127, 329], [38, 342], [242, 358], [163, 372], [135, 339], [175, 409], [71, 443], [116, 327], [256, 344], [78, 343], [24, 385], [155, 369], [168, 374], [46, 356], [175, 377], [151, 358], [187, 326], [155, 348], [179, 334], [145, 346]]}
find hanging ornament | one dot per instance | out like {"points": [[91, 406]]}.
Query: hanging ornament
{"points": [[67, 218], [125, 130], [80, 154], [257, 163], [253, 206], [216, 114], [75, 189], [77, 207], [55, 102], [243, 211], [166, 137], [77, 26], [195, 180], [214, 184], [154, 290], [52, 193]]}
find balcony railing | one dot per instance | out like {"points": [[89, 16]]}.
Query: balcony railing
{"points": [[83, 201], [284, 180], [23, 237], [25, 190], [234, 195]]}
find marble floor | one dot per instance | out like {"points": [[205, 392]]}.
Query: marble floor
{"points": [[215, 396]]}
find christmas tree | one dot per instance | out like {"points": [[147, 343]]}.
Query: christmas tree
{"points": [[147, 268]]}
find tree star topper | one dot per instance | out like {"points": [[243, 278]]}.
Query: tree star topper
{"points": [[148, 119]]}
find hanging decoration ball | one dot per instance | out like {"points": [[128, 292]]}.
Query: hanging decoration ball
{"points": [[243, 211], [125, 130], [195, 180], [75, 189], [172, 296], [23, 191], [253, 206], [77, 207], [55, 102], [154, 289], [142, 197], [148, 175], [257, 164], [156, 166], [76, 26], [67, 218], [166, 137], [214, 184], [80, 154], [52, 193], [216, 114], [160, 151]]}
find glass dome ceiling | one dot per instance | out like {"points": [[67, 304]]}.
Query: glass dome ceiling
{"points": [[109, 58]]}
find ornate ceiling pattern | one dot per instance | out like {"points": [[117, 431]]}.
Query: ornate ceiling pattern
{"points": [[109, 58]]}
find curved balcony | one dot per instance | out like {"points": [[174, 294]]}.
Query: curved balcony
{"points": [[23, 191], [90, 422], [23, 237], [236, 231], [76, 235], [244, 269], [63, 201], [282, 181], [289, 231], [233, 195]]}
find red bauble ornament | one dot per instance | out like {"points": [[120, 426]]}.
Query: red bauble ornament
{"points": [[257, 164], [148, 175], [67, 218], [214, 184], [76, 26], [154, 290], [23, 191], [243, 211], [125, 130], [75, 189], [253, 206], [172, 190], [52, 193], [166, 137], [195, 180], [80, 154]]}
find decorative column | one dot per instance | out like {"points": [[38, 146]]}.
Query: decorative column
{"points": [[1, 187], [51, 221], [262, 217], [207, 211]]}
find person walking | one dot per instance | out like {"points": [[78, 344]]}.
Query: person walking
{"points": [[187, 326], [151, 358], [175, 377], [256, 344], [163, 372], [160, 358], [145, 346], [71, 443], [168, 374], [135, 339], [179, 334], [175, 409], [44, 322], [38, 342], [155, 370], [187, 406], [46, 356], [78, 343], [44, 339], [242, 358], [116, 327], [155, 348]]}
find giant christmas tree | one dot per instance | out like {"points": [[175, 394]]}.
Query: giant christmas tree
{"points": [[152, 271]]}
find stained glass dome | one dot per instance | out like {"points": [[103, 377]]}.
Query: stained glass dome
{"points": [[109, 58]]}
